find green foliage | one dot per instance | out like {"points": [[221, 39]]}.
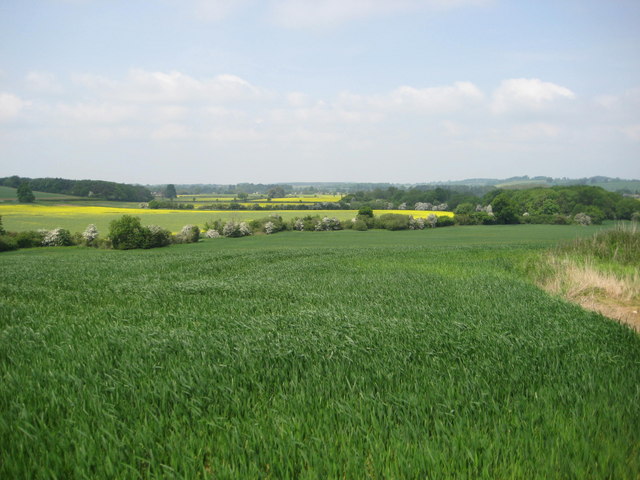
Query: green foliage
{"points": [[504, 209], [465, 209], [365, 211], [170, 191], [475, 218], [24, 193], [392, 221], [360, 225], [128, 233], [2, 230], [7, 243], [96, 189]]}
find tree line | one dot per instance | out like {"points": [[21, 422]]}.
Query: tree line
{"points": [[98, 189]]}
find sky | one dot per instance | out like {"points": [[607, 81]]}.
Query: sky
{"points": [[268, 91]]}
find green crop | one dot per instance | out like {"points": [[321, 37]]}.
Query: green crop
{"points": [[310, 355]]}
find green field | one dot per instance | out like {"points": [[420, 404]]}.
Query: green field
{"points": [[9, 194], [75, 218], [414, 354]]}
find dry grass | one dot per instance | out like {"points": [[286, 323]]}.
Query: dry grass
{"points": [[615, 296]]}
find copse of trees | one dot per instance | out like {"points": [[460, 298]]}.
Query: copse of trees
{"points": [[24, 193], [97, 189], [550, 205]]}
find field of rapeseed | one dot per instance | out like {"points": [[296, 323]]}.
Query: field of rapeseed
{"points": [[413, 354], [21, 217]]}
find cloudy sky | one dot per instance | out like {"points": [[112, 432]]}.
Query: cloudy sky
{"points": [[406, 91]]}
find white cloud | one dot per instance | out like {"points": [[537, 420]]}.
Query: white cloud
{"points": [[430, 100], [527, 94], [11, 106], [141, 86], [96, 113], [43, 82]]}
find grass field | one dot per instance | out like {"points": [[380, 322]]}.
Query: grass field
{"points": [[414, 354], [17, 218], [9, 194]]}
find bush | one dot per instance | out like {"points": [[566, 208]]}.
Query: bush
{"points": [[327, 224], [7, 243], [90, 235], [157, 237], [445, 221], [127, 233], [360, 225], [58, 237], [235, 229], [393, 221], [365, 211], [189, 234], [582, 219], [212, 233], [30, 239], [2, 230]]}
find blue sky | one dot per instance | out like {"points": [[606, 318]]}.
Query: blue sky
{"points": [[406, 91]]}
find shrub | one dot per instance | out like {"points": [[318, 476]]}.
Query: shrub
{"points": [[432, 219], [328, 224], [127, 232], [157, 237], [298, 224], [212, 233], [58, 237], [235, 229], [393, 221], [582, 219], [360, 225], [416, 223], [445, 221], [90, 234], [189, 234], [7, 243], [365, 211], [30, 239], [2, 230]]}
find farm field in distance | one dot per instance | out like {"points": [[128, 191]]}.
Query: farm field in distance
{"points": [[19, 217], [411, 354]]}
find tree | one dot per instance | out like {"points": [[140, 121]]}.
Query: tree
{"points": [[276, 192], [170, 191], [365, 210], [127, 232], [504, 209], [24, 193]]}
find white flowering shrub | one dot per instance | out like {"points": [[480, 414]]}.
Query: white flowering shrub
{"points": [[269, 228], [58, 237], [235, 229], [189, 234], [328, 224], [423, 206], [156, 237], [211, 233], [582, 219], [416, 223], [90, 234], [402, 206], [432, 219], [298, 225]]}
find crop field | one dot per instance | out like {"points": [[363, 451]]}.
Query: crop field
{"points": [[76, 217], [9, 194], [304, 199], [412, 354]]}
